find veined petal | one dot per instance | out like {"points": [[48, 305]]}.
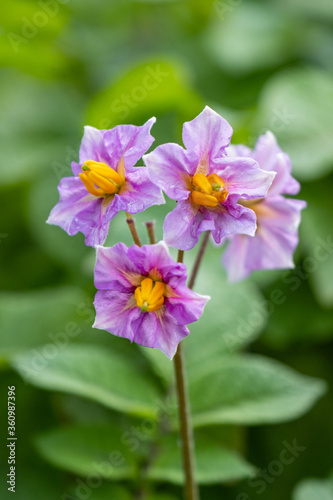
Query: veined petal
{"points": [[274, 243], [170, 167], [207, 135], [183, 226], [129, 141], [241, 221], [114, 270], [77, 211], [244, 178], [92, 146], [139, 193]]}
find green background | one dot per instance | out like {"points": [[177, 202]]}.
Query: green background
{"points": [[262, 65]]}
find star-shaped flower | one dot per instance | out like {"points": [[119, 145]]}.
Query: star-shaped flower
{"points": [[105, 181], [142, 295], [206, 183]]}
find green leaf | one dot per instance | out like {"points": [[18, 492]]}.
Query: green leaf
{"points": [[249, 390], [316, 230], [250, 37], [297, 105], [30, 146], [151, 88], [89, 450], [96, 373], [310, 489], [214, 462], [233, 317], [29, 319]]}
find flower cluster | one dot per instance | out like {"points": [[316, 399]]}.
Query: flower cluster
{"points": [[230, 191]]}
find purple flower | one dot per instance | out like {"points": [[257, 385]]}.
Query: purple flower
{"points": [[278, 217], [142, 296], [206, 183], [105, 182]]}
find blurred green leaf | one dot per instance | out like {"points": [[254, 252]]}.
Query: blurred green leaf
{"points": [[321, 9], [100, 374], [214, 462], [310, 489], [249, 390], [29, 319], [316, 230], [247, 36], [297, 105], [154, 87], [28, 33], [37, 120], [95, 450]]}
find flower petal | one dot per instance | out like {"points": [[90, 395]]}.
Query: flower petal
{"points": [[243, 178], [207, 135], [271, 158], [79, 211], [92, 147], [129, 141], [241, 221], [169, 167], [139, 193], [183, 226], [274, 243]]}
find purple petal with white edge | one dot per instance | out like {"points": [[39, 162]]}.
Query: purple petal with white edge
{"points": [[114, 314], [274, 243], [78, 210], [270, 157], [129, 141], [207, 135], [170, 167], [183, 226], [115, 270], [187, 307], [242, 221], [243, 178], [139, 193], [92, 147]]}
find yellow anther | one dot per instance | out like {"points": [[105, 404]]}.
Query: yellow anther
{"points": [[203, 199], [90, 186], [208, 191], [149, 296], [108, 186], [201, 183], [100, 179]]}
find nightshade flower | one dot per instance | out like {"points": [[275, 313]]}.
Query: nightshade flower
{"points": [[142, 296], [278, 217], [206, 183], [105, 181]]}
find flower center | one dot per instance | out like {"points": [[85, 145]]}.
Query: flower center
{"points": [[149, 295], [100, 179], [208, 191]]}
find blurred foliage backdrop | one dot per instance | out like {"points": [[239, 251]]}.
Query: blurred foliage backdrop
{"points": [[262, 65]]}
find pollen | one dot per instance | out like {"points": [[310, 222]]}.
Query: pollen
{"points": [[208, 191], [100, 179], [149, 296]]}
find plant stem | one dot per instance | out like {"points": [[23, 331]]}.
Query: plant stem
{"points": [[132, 228], [186, 432], [151, 232], [191, 488], [198, 260]]}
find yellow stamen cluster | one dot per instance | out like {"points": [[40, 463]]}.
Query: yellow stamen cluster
{"points": [[208, 191], [149, 295], [100, 179]]}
